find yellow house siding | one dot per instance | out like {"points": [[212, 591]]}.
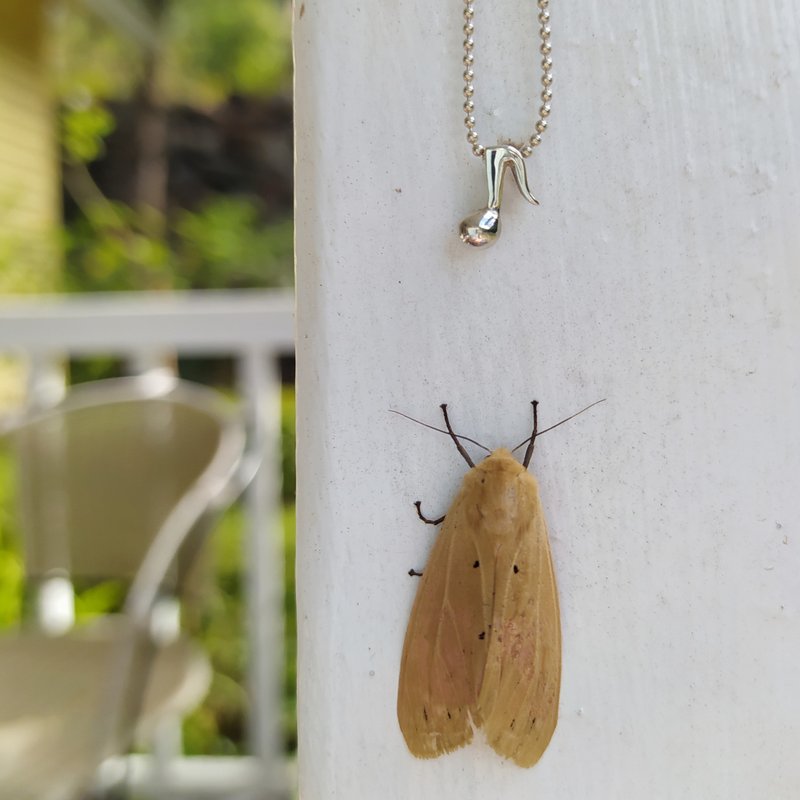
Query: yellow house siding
{"points": [[29, 185]]}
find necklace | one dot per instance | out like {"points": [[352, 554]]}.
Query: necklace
{"points": [[482, 228]]}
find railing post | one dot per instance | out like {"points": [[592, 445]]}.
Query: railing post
{"points": [[46, 380], [260, 385]]}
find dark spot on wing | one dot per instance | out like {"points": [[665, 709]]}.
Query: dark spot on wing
{"points": [[425, 713], [516, 569], [476, 565], [448, 715], [482, 635]]}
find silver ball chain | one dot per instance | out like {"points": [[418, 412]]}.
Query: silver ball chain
{"points": [[469, 75]]}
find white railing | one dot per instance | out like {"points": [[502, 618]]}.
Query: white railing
{"points": [[255, 328]]}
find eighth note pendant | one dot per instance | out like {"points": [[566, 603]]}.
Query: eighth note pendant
{"points": [[482, 228]]}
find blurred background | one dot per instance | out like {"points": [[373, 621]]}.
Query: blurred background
{"points": [[145, 158]]}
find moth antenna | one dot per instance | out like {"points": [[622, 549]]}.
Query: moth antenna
{"points": [[529, 451], [539, 433], [459, 446], [441, 430]]}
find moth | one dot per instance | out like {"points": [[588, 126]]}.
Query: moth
{"points": [[483, 643]]}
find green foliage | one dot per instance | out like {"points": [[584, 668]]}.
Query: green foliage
{"points": [[105, 597], [223, 245], [84, 127], [218, 49], [11, 578], [288, 441], [290, 631], [116, 248], [93, 60], [217, 726], [207, 50], [11, 570]]}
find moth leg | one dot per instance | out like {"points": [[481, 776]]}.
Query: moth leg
{"points": [[414, 574], [439, 521]]}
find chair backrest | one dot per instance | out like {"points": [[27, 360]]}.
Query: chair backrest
{"points": [[100, 473]]}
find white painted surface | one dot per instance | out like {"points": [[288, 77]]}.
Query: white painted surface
{"points": [[662, 271]]}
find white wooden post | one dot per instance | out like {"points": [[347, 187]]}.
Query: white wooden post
{"points": [[661, 271]]}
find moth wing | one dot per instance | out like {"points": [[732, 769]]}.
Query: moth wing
{"points": [[443, 655], [519, 694]]}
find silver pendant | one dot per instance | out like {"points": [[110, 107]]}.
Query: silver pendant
{"points": [[482, 228]]}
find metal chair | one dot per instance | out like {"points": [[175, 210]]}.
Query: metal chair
{"points": [[117, 481]]}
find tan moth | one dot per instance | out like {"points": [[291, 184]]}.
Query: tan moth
{"points": [[483, 643]]}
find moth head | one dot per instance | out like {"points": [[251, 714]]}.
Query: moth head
{"points": [[500, 460]]}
